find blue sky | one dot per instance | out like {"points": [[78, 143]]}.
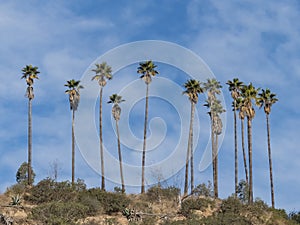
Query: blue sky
{"points": [[256, 41]]}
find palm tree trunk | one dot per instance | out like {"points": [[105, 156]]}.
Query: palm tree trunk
{"points": [[145, 137], [249, 124], [29, 142], [235, 153], [101, 141], [188, 153], [244, 151], [213, 156], [191, 145], [216, 186], [120, 157], [186, 177], [270, 162], [73, 147]]}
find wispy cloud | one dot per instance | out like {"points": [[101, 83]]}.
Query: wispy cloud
{"points": [[253, 40]]}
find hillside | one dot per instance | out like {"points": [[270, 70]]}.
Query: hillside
{"points": [[60, 203]]}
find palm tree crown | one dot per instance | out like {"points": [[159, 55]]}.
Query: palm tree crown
{"points": [[103, 71], [30, 73], [73, 91], [147, 69], [212, 86], [193, 88], [249, 93], [116, 110], [266, 98], [216, 109], [235, 87]]}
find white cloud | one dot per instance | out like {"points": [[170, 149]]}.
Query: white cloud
{"points": [[255, 41]]}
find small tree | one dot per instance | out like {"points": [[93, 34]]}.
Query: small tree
{"points": [[243, 191], [204, 190], [22, 174]]}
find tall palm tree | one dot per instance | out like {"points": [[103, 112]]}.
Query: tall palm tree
{"points": [[249, 93], [192, 89], [267, 99], [235, 87], [212, 86], [216, 110], [116, 112], [74, 97], [30, 73], [241, 108], [147, 69], [103, 72]]}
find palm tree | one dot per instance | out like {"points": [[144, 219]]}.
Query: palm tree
{"points": [[235, 87], [193, 88], [267, 99], [116, 112], [216, 110], [241, 108], [212, 86], [30, 73], [249, 93], [103, 72], [147, 69], [74, 97]]}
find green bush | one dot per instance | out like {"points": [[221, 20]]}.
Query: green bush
{"points": [[59, 213], [93, 204], [158, 193], [243, 191], [109, 202], [48, 190], [295, 216], [16, 189], [279, 214], [191, 204], [204, 190], [22, 174], [231, 205]]}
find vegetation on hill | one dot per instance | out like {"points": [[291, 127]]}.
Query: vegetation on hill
{"points": [[61, 203]]}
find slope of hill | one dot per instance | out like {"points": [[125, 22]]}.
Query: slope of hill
{"points": [[60, 203]]}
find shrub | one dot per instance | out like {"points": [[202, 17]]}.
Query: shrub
{"points": [[16, 189], [48, 190], [295, 216], [93, 204], [110, 202], [191, 204], [60, 213], [243, 191], [22, 174], [231, 205], [204, 190], [157, 193], [279, 213]]}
